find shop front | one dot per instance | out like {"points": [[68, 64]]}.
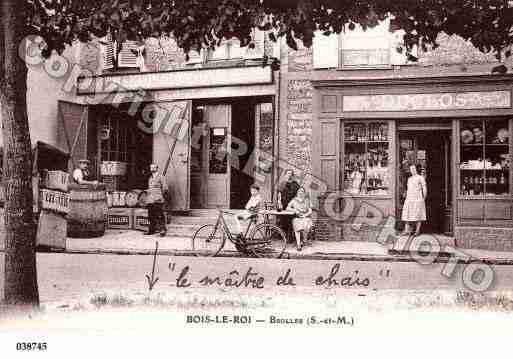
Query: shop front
{"points": [[202, 133], [368, 132]]}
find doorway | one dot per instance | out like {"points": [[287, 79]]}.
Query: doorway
{"points": [[243, 144], [431, 148], [222, 143]]}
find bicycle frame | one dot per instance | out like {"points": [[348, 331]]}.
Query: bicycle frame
{"points": [[226, 230]]}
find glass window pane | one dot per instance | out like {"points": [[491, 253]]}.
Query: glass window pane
{"points": [[497, 157], [472, 157], [366, 159]]}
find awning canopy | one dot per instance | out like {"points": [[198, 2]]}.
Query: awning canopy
{"points": [[46, 156]]}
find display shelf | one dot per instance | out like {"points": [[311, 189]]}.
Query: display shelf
{"points": [[366, 159], [484, 164]]}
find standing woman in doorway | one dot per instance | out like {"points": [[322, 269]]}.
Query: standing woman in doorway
{"points": [[414, 209]]}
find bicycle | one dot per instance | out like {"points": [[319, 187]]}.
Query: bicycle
{"points": [[265, 239]]}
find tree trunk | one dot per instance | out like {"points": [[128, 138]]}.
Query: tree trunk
{"points": [[20, 285]]}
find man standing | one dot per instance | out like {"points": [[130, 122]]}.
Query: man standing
{"points": [[155, 202], [82, 175]]}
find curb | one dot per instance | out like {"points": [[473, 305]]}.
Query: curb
{"points": [[391, 257]]}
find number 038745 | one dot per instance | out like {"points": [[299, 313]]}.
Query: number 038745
{"points": [[31, 346]]}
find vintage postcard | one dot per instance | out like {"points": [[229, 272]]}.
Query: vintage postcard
{"points": [[180, 174]]}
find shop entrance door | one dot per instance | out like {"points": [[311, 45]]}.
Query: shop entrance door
{"points": [[216, 165], [431, 149]]}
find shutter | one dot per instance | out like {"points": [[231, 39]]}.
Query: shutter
{"points": [[399, 58], [72, 131], [220, 52], [171, 151], [329, 151], [325, 50], [276, 47], [236, 51], [107, 52], [126, 57], [258, 51], [195, 57]]}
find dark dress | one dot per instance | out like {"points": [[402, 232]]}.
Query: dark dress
{"points": [[288, 191]]}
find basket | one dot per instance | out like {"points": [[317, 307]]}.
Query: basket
{"points": [[54, 200], [56, 180], [113, 168]]}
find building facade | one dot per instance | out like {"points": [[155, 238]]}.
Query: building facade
{"points": [[347, 115]]}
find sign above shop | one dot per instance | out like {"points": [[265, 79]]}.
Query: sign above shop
{"points": [[180, 79], [428, 101]]}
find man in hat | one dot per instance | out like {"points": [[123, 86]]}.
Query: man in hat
{"points": [[155, 202], [82, 175]]}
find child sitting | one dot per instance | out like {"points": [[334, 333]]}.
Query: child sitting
{"points": [[251, 208]]}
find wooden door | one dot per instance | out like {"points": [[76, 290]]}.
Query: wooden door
{"points": [[216, 164], [171, 152]]}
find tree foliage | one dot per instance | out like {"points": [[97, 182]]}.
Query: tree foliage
{"points": [[203, 23]]}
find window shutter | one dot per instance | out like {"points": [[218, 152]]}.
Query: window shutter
{"points": [[236, 51], [195, 57], [107, 52], [325, 50], [220, 52], [399, 58], [276, 47], [258, 51], [126, 57], [329, 152], [73, 132]]}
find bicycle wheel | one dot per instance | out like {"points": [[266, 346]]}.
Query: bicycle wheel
{"points": [[267, 240], [208, 240]]}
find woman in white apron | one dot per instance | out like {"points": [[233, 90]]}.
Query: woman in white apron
{"points": [[414, 208]]}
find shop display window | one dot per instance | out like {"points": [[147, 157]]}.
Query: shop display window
{"points": [[485, 157], [366, 158]]}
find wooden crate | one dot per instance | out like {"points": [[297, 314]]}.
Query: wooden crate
{"points": [[141, 221], [120, 218]]}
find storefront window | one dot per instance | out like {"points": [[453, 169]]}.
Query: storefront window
{"points": [[366, 158], [218, 163], [484, 157]]}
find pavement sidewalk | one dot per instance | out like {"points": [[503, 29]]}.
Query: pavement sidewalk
{"points": [[135, 242]]}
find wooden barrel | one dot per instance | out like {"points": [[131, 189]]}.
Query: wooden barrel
{"points": [[132, 198], [88, 211]]}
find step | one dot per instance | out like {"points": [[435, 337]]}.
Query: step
{"points": [[182, 230], [210, 212], [193, 220]]}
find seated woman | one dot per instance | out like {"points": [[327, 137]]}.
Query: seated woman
{"points": [[251, 208], [302, 223]]}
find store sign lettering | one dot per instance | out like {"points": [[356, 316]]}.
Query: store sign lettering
{"points": [[428, 101], [232, 76]]}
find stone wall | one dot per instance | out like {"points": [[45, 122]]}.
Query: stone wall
{"points": [[299, 124], [454, 50]]}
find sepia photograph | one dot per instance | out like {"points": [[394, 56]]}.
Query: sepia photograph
{"points": [[180, 174]]}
